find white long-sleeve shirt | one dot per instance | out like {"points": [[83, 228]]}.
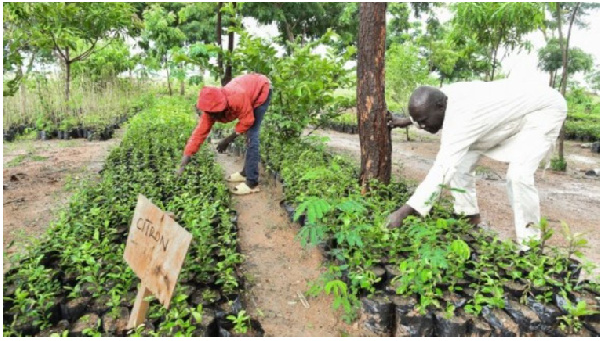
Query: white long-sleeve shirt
{"points": [[485, 116]]}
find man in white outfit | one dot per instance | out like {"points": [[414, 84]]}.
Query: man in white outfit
{"points": [[508, 121]]}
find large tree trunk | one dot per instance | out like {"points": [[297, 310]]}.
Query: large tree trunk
{"points": [[229, 67], [219, 42], [375, 137], [565, 63]]}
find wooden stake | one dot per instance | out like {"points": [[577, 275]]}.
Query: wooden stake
{"points": [[140, 307]]}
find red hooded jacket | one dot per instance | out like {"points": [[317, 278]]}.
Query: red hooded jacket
{"points": [[238, 99]]}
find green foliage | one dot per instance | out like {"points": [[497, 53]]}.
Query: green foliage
{"points": [[344, 297], [575, 241], [300, 22], [593, 78], [583, 118], [434, 255], [87, 240], [159, 36], [91, 106], [106, 63], [550, 58], [314, 207], [73, 30], [571, 322], [197, 20], [405, 70], [497, 24], [558, 165], [240, 322], [159, 31], [303, 83]]}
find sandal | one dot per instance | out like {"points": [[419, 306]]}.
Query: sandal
{"points": [[236, 177], [242, 189]]}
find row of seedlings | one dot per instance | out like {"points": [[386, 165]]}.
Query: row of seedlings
{"points": [[95, 109], [99, 131], [435, 276], [586, 131], [344, 123], [583, 121], [343, 127], [75, 282]]}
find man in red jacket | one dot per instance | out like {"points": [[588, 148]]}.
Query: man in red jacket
{"points": [[245, 98]]}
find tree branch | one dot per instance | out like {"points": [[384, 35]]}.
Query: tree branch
{"points": [[86, 53], [57, 47]]}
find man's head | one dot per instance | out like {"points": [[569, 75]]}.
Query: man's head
{"points": [[212, 101], [427, 107]]}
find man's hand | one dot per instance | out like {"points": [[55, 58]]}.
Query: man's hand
{"points": [[396, 218], [184, 161], [222, 146], [395, 121]]}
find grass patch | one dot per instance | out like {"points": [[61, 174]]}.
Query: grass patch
{"points": [[29, 135], [39, 158], [20, 158], [16, 161]]}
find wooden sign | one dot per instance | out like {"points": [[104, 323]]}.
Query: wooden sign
{"points": [[156, 248]]}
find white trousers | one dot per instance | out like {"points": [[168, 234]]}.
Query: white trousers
{"points": [[531, 145]]}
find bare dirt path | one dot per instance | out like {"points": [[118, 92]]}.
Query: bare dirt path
{"points": [[573, 197], [39, 178], [277, 269]]}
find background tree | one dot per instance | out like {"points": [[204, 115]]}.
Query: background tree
{"points": [[574, 12], [219, 34], [551, 60], [405, 70], [497, 24], [106, 63], [397, 27], [16, 43], [299, 20], [197, 22], [593, 78], [74, 30], [160, 36], [234, 22], [375, 137]]}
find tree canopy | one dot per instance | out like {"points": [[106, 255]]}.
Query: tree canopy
{"points": [[497, 24]]}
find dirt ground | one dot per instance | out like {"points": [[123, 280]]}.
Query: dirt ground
{"points": [[39, 178], [573, 197], [277, 269]]}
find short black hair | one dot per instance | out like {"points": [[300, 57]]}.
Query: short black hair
{"points": [[427, 96]]}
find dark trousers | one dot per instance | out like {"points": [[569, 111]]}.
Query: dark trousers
{"points": [[253, 141]]}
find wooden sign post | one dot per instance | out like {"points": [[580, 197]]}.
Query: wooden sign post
{"points": [[156, 248]]}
